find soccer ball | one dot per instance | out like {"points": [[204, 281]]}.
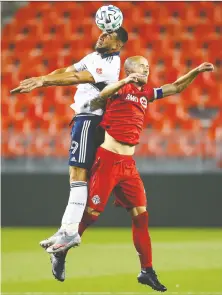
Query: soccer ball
{"points": [[109, 18]]}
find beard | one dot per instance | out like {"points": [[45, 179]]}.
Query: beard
{"points": [[101, 50], [142, 82]]}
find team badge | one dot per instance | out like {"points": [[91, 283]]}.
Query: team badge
{"points": [[143, 101], [99, 71], [96, 200]]}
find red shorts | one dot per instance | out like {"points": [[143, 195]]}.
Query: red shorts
{"points": [[117, 173]]}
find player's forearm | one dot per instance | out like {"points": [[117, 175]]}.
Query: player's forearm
{"points": [[100, 101], [186, 80], [63, 79], [63, 70], [58, 71], [97, 103], [111, 89]]}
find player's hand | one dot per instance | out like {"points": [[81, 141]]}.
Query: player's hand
{"points": [[135, 78], [205, 67], [28, 85]]}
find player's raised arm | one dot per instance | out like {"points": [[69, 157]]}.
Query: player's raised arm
{"points": [[74, 74], [63, 70], [184, 81], [111, 89], [64, 79]]}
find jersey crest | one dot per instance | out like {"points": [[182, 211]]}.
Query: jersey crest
{"points": [[99, 71]]}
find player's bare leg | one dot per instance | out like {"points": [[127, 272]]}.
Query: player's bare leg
{"points": [[142, 244]]}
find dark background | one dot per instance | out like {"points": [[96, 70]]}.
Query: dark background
{"points": [[173, 200]]}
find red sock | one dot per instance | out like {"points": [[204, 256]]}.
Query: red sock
{"points": [[86, 221], [141, 239]]}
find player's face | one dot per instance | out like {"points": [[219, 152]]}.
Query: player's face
{"points": [[106, 42], [142, 67]]}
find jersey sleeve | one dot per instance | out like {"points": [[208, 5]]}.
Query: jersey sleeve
{"points": [[123, 90], [108, 73], [81, 65], [153, 94]]}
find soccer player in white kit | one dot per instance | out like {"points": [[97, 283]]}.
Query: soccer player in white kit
{"points": [[92, 73]]}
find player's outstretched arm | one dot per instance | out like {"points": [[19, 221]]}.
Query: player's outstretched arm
{"points": [[64, 79], [63, 70], [184, 81], [100, 101]]}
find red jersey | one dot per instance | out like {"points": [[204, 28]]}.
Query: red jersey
{"points": [[124, 115]]}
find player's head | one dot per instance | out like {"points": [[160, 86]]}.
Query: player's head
{"points": [[137, 64], [113, 42]]}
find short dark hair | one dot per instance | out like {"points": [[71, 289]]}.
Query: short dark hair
{"points": [[122, 35]]}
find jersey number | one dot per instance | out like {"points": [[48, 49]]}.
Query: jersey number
{"points": [[74, 146]]}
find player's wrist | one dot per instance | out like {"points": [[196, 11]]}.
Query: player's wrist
{"points": [[196, 71], [43, 79], [126, 81]]}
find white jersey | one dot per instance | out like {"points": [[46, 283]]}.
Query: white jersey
{"points": [[105, 69]]}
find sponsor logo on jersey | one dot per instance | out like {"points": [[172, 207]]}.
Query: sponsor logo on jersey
{"points": [[143, 101], [96, 200], [132, 97], [99, 71]]}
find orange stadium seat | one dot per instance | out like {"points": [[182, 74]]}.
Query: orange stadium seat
{"points": [[69, 6], [27, 31], [7, 78], [204, 11], [199, 29], [26, 14], [41, 6]]}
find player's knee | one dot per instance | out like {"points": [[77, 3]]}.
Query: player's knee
{"points": [[77, 174], [92, 211], [137, 210]]}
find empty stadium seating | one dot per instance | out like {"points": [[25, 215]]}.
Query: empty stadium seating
{"points": [[174, 36]]}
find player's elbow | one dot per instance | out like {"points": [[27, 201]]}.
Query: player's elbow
{"points": [[103, 95], [74, 78], [177, 87]]}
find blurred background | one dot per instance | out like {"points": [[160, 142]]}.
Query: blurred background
{"points": [[179, 157]]}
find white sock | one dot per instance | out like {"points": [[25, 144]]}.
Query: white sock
{"points": [[76, 206]]}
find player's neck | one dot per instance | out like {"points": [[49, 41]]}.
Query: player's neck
{"points": [[139, 87], [109, 52]]}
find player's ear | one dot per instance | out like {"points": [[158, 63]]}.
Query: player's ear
{"points": [[127, 72], [119, 45]]}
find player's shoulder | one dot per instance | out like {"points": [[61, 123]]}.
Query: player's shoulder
{"points": [[92, 55], [147, 87], [126, 89]]}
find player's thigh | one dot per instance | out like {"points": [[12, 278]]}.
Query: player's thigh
{"points": [[101, 184], [83, 142], [130, 193], [77, 174]]}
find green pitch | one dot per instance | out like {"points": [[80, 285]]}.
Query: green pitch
{"points": [[188, 261]]}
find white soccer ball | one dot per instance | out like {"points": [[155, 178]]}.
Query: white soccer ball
{"points": [[109, 18]]}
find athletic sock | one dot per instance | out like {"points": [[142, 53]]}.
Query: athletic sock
{"points": [[141, 239], [75, 207], [87, 220]]}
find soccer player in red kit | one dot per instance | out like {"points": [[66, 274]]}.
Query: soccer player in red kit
{"points": [[114, 169]]}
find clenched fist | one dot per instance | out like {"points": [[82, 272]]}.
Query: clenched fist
{"points": [[205, 67]]}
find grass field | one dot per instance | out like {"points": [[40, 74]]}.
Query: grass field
{"points": [[188, 261]]}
